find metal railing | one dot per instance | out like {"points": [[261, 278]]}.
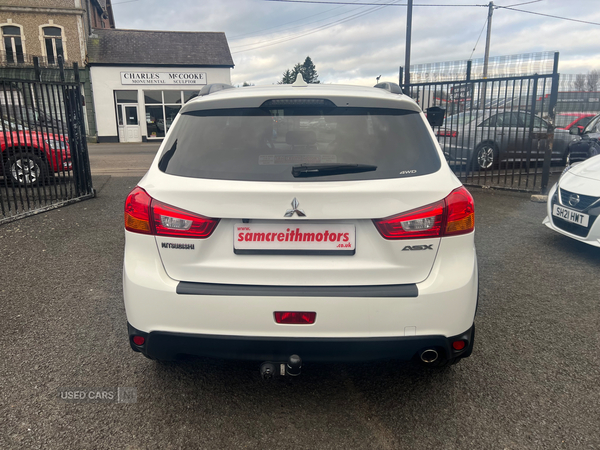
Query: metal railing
{"points": [[25, 60], [499, 132], [44, 161]]}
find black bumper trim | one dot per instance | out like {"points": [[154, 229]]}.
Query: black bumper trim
{"points": [[246, 290], [166, 346]]}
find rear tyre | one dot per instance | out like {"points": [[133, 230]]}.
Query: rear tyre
{"points": [[485, 156], [25, 168]]}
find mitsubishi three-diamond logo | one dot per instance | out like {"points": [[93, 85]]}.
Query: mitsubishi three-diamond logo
{"points": [[290, 212]]}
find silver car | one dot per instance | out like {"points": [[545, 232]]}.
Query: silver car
{"points": [[482, 139]]}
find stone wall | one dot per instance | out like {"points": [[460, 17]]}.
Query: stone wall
{"points": [[30, 21]]}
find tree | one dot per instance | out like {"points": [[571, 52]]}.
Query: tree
{"points": [[288, 77], [307, 69], [593, 78], [579, 83]]}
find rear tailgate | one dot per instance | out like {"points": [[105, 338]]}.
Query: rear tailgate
{"points": [[358, 256]]}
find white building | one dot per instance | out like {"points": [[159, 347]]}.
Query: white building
{"points": [[140, 79]]}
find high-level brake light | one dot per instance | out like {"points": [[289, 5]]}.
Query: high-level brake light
{"points": [[145, 215], [447, 133], [451, 216]]}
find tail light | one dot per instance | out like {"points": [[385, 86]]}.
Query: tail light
{"points": [[451, 216], [447, 133], [137, 211], [145, 215]]}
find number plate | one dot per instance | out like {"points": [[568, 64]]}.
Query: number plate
{"points": [[294, 238], [570, 216]]}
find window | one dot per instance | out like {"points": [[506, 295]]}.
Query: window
{"points": [[491, 122], [13, 46], [161, 109], [525, 121], [126, 96], [262, 144], [54, 44]]}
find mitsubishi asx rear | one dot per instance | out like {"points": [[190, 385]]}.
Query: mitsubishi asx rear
{"points": [[301, 223]]}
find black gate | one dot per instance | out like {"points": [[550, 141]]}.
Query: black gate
{"points": [[499, 132], [44, 162]]}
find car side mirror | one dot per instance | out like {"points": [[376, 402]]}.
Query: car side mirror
{"points": [[576, 130], [435, 116]]}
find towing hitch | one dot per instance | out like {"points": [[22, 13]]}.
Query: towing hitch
{"points": [[292, 368]]}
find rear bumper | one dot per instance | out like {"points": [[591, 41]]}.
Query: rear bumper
{"points": [[167, 346], [352, 323]]}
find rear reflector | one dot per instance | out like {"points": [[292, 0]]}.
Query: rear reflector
{"points": [[459, 345], [145, 215], [451, 216], [295, 317], [139, 340]]}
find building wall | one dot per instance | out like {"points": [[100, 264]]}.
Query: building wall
{"points": [[107, 79], [31, 33], [41, 3]]}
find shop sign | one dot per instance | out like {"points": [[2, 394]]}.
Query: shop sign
{"points": [[163, 78]]}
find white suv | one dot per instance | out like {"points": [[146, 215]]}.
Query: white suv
{"points": [[312, 220]]}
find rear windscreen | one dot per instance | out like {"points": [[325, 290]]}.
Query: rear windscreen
{"points": [[262, 144]]}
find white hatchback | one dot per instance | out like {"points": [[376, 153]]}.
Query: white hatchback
{"points": [[574, 202], [312, 220]]}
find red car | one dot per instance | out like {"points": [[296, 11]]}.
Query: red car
{"points": [[30, 157], [568, 120]]}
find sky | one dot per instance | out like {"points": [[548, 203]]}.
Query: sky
{"points": [[354, 44]]}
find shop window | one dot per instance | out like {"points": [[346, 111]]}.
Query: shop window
{"points": [[161, 109], [13, 46], [188, 95], [155, 121], [170, 114], [172, 97], [153, 97], [54, 44]]}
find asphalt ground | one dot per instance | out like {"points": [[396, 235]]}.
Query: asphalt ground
{"points": [[532, 382]]}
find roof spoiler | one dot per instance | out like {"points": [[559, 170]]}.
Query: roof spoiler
{"points": [[391, 87], [215, 87]]}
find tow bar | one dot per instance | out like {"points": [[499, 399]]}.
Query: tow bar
{"points": [[292, 368]]}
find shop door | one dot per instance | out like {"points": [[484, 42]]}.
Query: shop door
{"points": [[129, 123]]}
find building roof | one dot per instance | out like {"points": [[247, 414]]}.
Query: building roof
{"points": [[158, 48]]}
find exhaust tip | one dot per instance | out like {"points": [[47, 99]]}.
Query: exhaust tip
{"points": [[429, 356]]}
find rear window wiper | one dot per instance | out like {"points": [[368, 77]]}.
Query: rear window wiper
{"points": [[321, 170]]}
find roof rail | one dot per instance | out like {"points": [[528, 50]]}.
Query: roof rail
{"points": [[391, 87], [215, 87]]}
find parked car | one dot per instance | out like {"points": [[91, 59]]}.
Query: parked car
{"points": [[35, 119], [587, 144], [30, 157], [484, 139], [574, 202], [568, 120], [268, 246]]}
